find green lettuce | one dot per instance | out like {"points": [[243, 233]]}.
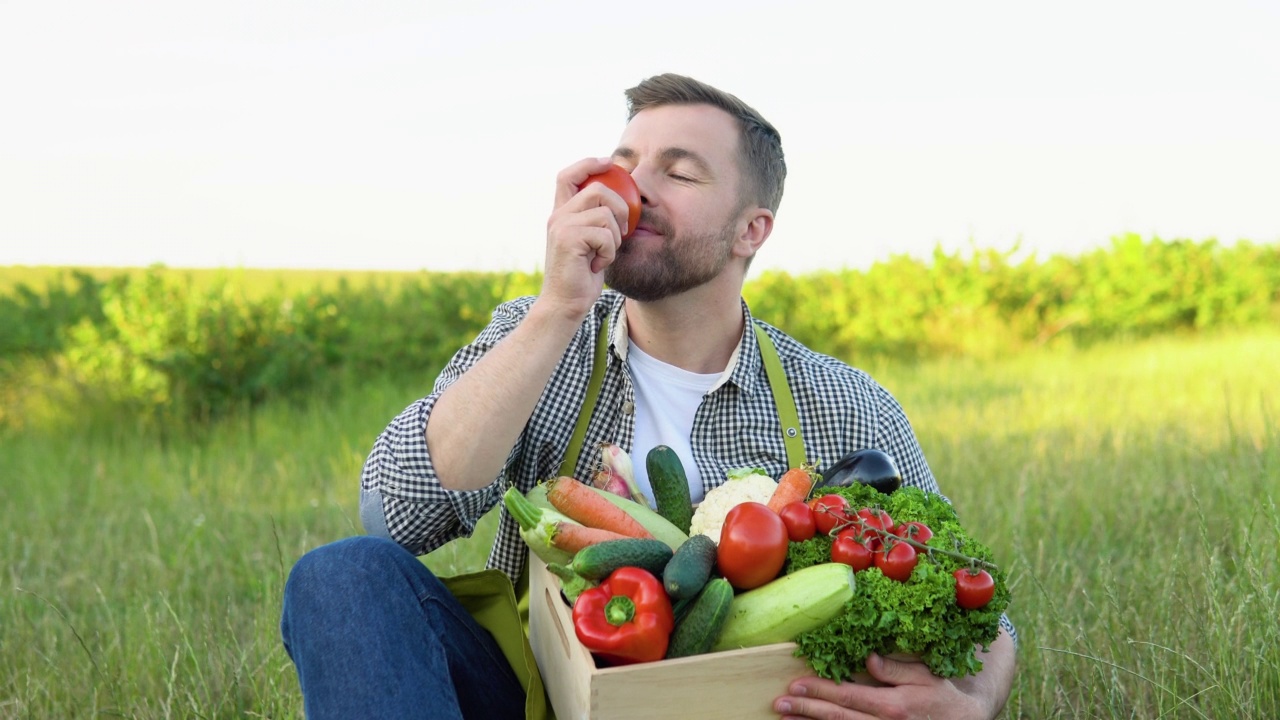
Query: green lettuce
{"points": [[918, 617]]}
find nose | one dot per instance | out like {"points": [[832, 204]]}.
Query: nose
{"points": [[643, 182]]}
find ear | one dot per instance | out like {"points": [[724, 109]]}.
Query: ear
{"points": [[757, 224]]}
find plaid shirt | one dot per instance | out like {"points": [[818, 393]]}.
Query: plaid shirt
{"points": [[841, 409]]}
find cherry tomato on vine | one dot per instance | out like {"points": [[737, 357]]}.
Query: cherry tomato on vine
{"points": [[974, 588], [619, 181], [877, 519], [753, 545], [847, 548], [913, 530], [829, 511], [798, 518], [896, 561]]}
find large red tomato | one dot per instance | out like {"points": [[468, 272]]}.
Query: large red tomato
{"points": [[619, 181], [753, 545]]}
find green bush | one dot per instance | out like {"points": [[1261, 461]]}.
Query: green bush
{"points": [[169, 350], [163, 345]]}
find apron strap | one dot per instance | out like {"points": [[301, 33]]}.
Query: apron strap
{"points": [[792, 438], [589, 404], [787, 415]]}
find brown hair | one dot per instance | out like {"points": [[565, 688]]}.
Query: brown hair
{"points": [[759, 144]]}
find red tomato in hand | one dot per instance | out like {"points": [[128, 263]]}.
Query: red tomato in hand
{"points": [[974, 588], [917, 531], [753, 545], [799, 521], [896, 561], [619, 181], [851, 550], [829, 511]]}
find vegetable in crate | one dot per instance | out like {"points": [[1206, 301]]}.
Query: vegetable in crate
{"points": [[670, 486], [582, 503], [599, 560], [753, 546], [742, 485], [550, 535], [867, 466], [791, 605], [657, 525], [920, 616], [625, 619], [690, 567], [616, 475], [700, 628]]}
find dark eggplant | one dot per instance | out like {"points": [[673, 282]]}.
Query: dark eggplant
{"points": [[867, 466]]}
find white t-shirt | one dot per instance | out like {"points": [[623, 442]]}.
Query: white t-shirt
{"points": [[667, 398]]}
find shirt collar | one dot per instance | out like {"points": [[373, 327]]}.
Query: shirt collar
{"points": [[744, 365]]}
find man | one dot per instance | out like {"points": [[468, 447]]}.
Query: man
{"points": [[374, 634]]}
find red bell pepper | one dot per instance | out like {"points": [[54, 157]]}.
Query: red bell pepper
{"points": [[625, 619]]}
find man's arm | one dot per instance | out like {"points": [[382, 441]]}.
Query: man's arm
{"points": [[477, 421]]}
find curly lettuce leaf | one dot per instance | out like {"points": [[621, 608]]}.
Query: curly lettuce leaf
{"points": [[918, 617]]}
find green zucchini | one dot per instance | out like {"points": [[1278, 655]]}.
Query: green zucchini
{"points": [[658, 526], [690, 567], [698, 631], [670, 486], [595, 562], [782, 609]]}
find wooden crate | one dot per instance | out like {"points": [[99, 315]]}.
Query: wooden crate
{"points": [[737, 684]]}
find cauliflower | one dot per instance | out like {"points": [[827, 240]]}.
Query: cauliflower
{"points": [[743, 485]]}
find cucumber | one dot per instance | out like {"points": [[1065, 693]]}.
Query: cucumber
{"points": [[658, 526], [595, 562], [782, 609], [670, 486], [698, 631], [690, 567]]}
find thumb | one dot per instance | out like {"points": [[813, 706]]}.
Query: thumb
{"points": [[893, 672]]}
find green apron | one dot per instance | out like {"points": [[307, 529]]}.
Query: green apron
{"points": [[503, 609]]}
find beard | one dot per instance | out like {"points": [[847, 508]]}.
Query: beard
{"points": [[680, 263]]}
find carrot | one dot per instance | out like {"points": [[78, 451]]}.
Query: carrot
{"points": [[587, 507], [794, 485], [571, 537]]}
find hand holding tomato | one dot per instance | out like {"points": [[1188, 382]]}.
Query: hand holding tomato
{"points": [[584, 233], [619, 181]]}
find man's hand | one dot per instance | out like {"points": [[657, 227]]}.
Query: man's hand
{"points": [[583, 237], [909, 691]]}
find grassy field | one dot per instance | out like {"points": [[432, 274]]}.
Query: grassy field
{"points": [[1131, 489]]}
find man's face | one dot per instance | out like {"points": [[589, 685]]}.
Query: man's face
{"points": [[684, 158]]}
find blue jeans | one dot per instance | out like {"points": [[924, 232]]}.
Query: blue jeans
{"points": [[374, 634]]}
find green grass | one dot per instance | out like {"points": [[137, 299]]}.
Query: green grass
{"points": [[1131, 490]]}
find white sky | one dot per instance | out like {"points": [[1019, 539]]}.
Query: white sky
{"points": [[427, 134]]}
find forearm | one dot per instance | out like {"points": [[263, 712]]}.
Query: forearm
{"points": [[993, 684], [478, 419]]}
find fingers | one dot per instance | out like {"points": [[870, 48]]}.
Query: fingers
{"points": [[571, 178], [898, 672], [571, 195]]}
